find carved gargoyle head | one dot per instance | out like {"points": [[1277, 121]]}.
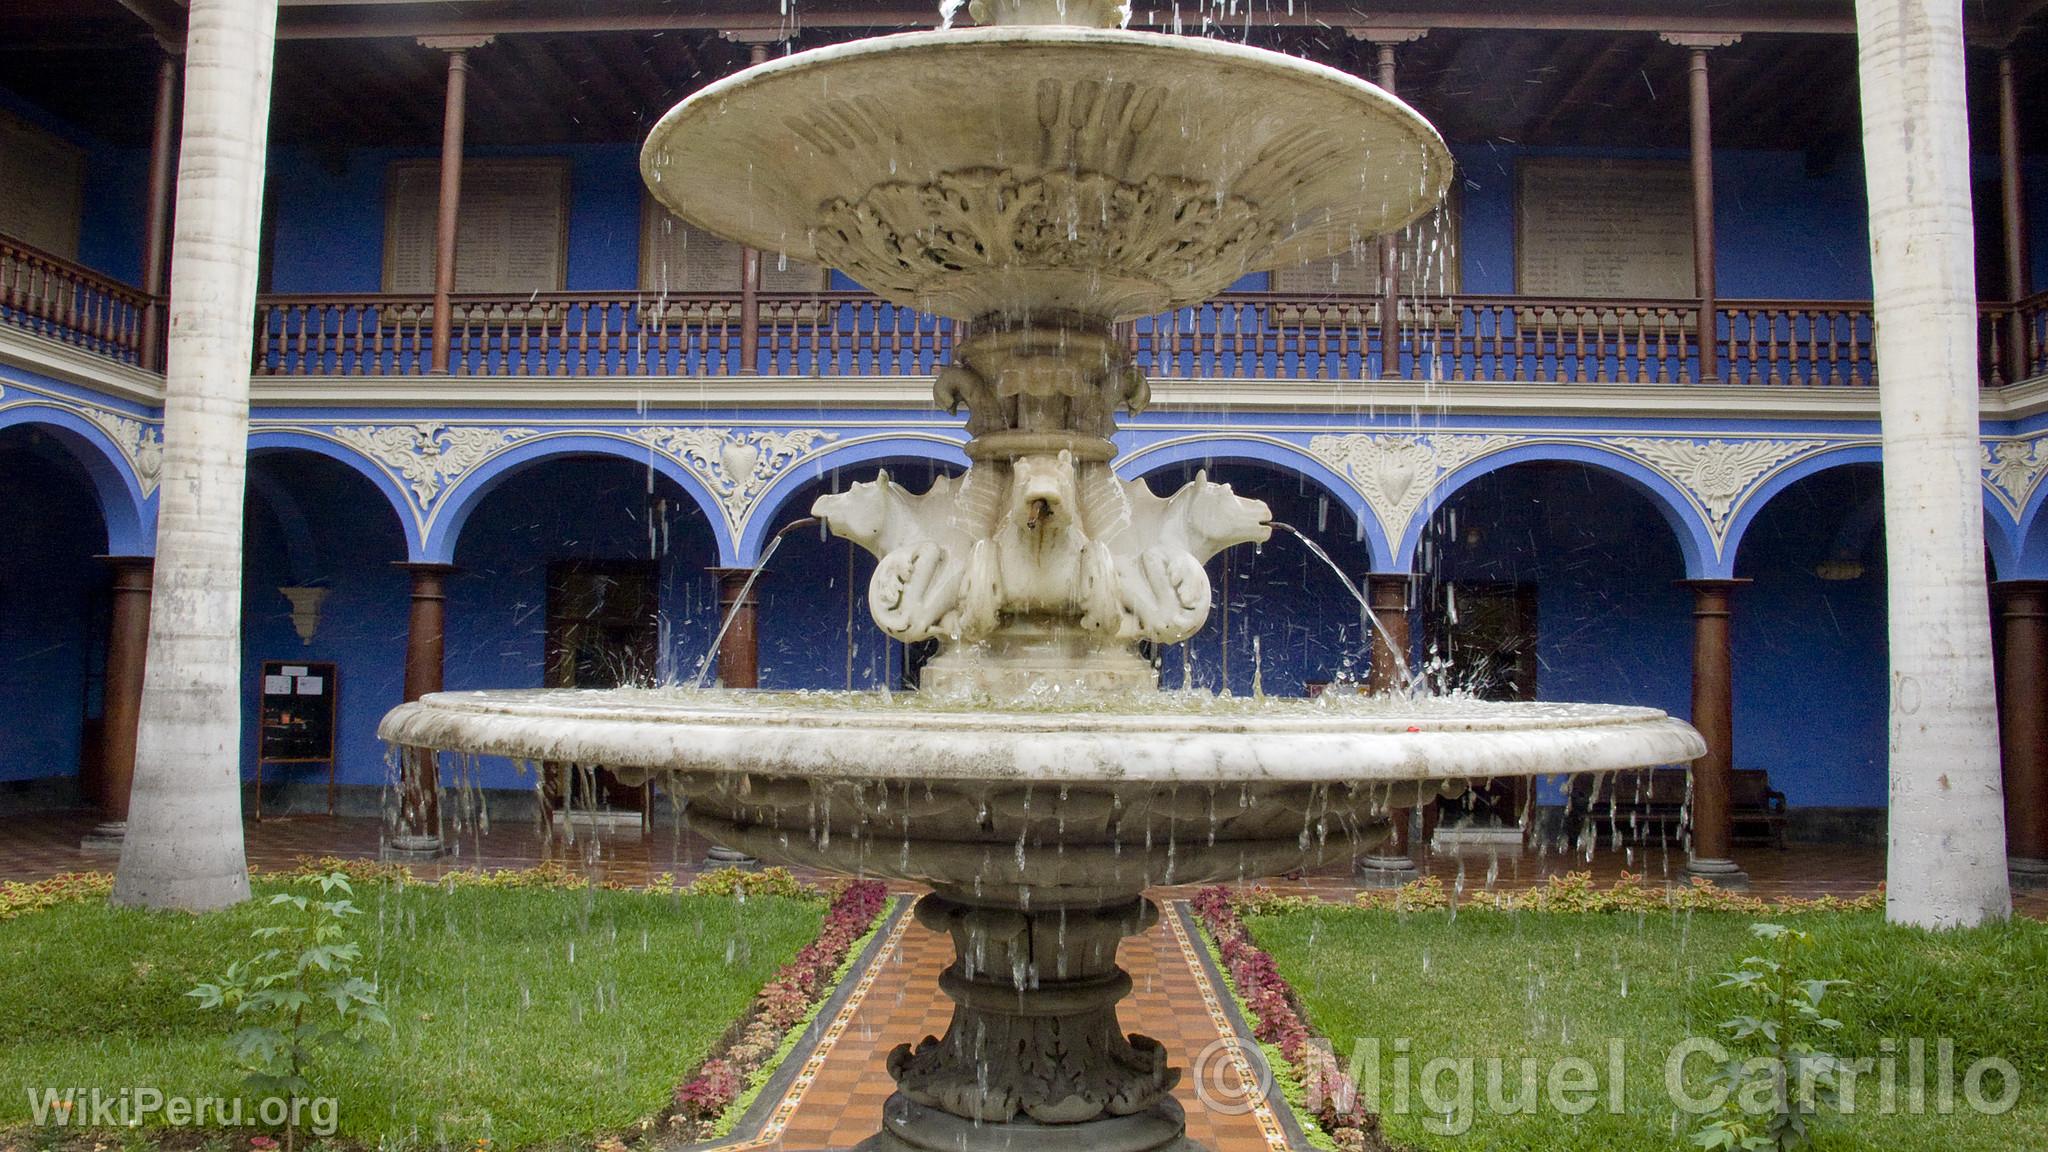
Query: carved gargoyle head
{"points": [[1045, 492], [1214, 517], [861, 513]]}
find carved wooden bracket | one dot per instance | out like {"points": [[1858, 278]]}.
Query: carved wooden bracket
{"points": [[1700, 41]]}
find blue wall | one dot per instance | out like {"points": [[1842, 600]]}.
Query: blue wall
{"points": [[575, 509], [1778, 231], [48, 580], [312, 521], [1810, 654]]}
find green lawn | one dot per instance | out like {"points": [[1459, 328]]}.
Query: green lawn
{"points": [[525, 1016], [1547, 986]]}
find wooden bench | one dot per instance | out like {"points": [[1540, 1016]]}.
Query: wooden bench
{"points": [[1649, 804]]}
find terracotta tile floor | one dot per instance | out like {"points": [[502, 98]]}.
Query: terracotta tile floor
{"points": [[842, 1104]]}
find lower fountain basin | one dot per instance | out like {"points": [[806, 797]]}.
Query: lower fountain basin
{"points": [[1075, 804]]}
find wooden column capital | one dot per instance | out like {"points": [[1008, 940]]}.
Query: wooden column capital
{"points": [[455, 44], [1700, 42], [1386, 38]]}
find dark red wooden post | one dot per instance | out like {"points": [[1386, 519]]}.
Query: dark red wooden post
{"points": [[417, 831], [1387, 592], [2023, 726], [127, 643], [1713, 713], [449, 215], [1702, 124], [156, 229], [2012, 205]]}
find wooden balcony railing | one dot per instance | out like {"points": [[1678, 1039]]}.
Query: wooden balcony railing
{"points": [[1247, 336], [63, 301]]}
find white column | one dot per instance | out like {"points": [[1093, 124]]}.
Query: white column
{"points": [[184, 844], [1947, 863]]}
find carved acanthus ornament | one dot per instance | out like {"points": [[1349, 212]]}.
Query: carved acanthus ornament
{"points": [[1395, 473], [920, 240], [2013, 469], [430, 456], [1717, 474], [142, 443], [736, 466]]}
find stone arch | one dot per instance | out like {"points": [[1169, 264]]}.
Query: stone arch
{"points": [[2026, 545], [444, 520], [1269, 452], [768, 508], [128, 512], [1800, 468], [1695, 542], [268, 440]]}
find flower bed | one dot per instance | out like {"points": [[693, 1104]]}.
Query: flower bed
{"points": [[712, 1101], [1315, 1084]]}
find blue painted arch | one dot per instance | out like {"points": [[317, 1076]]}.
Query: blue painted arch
{"points": [[129, 516], [1269, 452], [2028, 545], [444, 520], [769, 507], [1694, 541], [265, 440], [1799, 468]]}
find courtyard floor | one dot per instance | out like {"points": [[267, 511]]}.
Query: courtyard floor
{"points": [[835, 1097]]}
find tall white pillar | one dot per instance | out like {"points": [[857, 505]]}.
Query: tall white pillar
{"points": [[1947, 845], [184, 842]]}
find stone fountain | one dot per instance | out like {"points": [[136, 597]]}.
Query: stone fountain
{"points": [[1041, 177]]}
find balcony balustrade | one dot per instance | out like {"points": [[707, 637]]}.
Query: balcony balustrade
{"points": [[53, 297], [1238, 336]]}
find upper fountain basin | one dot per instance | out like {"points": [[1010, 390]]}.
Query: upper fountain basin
{"points": [[1022, 170]]}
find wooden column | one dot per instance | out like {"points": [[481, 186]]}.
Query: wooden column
{"points": [[1702, 123], [1713, 713], [127, 642], [2023, 726], [750, 259], [1388, 593], [1385, 41], [449, 217], [739, 651], [417, 829], [2012, 214], [156, 229]]}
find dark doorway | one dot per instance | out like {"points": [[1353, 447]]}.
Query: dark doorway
{"points": [[1480, 638], [603, 631]]}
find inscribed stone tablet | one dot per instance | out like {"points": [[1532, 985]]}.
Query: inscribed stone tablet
{"points": [[1593, 227]]}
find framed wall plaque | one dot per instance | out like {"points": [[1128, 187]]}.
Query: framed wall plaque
{"points": [[675, 257], [42, 187], [513, 233], [1601, 227]]}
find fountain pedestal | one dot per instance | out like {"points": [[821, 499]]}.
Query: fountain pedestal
{"points": [[1034, 1057]]}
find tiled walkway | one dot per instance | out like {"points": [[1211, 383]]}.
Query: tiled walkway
{"points": [[841, 1104]]}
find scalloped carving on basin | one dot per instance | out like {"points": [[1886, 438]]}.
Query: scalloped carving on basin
{"points": [[1024, 169]]}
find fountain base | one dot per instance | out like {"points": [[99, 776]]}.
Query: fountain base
{"points": [[1034, 1056], [911, 1127]]}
